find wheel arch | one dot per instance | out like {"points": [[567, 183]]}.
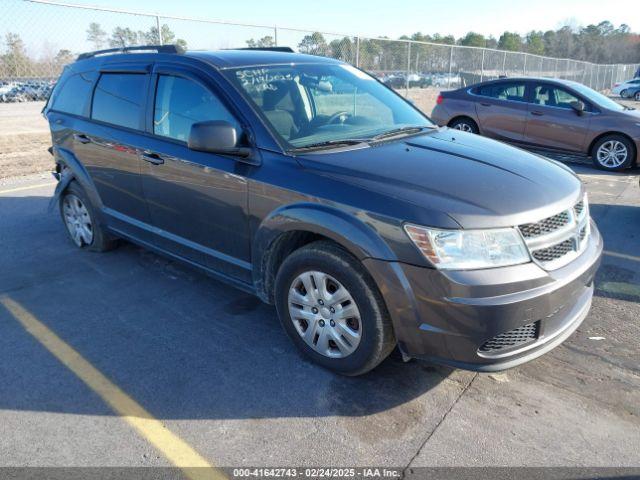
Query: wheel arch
{"points": [[605, 134], [291, 227], [463, 117], [69, 169]]}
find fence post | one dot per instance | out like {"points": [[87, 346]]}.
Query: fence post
{"points": [[555, 71], [450, 66], [524, 67], [408, 68], [504, 63], [358, 52], [482, 66], [275, 35], [159, 29]]}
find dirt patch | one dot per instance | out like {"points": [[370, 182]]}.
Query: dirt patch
{"points": [[24, 139]]}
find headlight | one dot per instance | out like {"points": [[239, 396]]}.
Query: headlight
{"points": [[469, 249]]}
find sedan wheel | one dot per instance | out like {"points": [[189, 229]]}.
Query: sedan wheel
{"points": [[636, 97], [324, 314], [612, 154], [623, 94], [465, 127], [77, 220]]}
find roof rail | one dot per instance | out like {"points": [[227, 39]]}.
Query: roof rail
{"points": [[268, 49], [138, 48]]}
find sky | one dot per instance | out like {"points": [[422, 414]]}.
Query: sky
{"points": [[394, 18]]}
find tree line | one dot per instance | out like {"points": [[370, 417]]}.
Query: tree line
{"points": [[16, 62], [601, 43]]}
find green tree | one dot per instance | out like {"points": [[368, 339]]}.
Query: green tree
{"points": [[510, 41], [535, 42], [96, 35], [151, 37], [473, 39], [342, 49], [16, 62], [261, 43], [124, 37], [63, 57], [313, 44]]}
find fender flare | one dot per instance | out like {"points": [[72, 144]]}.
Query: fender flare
{"points": [[72, 169], [345, 229]]}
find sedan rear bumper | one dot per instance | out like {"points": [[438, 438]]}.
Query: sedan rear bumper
{"points": [[487, 320]]}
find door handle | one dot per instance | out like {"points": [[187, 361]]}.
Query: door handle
{"points": [[536, 113], [152, 158], [81, 137]]}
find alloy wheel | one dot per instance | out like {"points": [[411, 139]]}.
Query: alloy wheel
{"points": [[77, 220], [465, 127], [612, 154], [325, 314]]}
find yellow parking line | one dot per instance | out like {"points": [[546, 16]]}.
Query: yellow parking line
{"points": [[30, 187], [622, 255], [176, 450]]}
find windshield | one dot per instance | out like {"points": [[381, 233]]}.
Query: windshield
{"points": [[597, 98], [325, 104]]}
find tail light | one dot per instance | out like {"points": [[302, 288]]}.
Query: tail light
{"points": [[440, 99]]}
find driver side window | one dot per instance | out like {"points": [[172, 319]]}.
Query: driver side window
{"points": [[181, 102]]}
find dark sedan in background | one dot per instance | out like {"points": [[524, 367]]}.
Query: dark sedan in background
{"points": [[547, 114]]}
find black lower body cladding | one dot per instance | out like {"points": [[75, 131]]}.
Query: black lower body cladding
{"points": [[487, 320]]}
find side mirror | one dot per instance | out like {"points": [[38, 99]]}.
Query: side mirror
{"points": [[216, 136], [578, 106]]}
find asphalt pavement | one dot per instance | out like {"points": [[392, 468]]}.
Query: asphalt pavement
{"points": [[114, 359]]}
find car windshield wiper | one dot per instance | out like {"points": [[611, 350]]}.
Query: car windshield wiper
{"points": [[330, 144], [400, 131]]}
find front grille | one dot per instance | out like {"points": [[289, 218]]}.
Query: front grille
{"points": [[555, 252], [554, 238], [512, 338], [583, 232], [548, 225]]}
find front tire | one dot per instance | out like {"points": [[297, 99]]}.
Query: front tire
{"points": [[465, 124], [613, 153], [636, 97], [81, 221], [332, 310]]}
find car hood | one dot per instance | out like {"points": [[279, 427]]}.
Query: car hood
{"points": [[480, 183]]}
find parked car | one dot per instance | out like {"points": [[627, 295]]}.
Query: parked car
{"points": [[622, 88], [634, 92], [547, 114], [363, 222]]}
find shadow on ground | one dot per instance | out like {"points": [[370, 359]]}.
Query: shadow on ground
{"points": [[182, 344]]}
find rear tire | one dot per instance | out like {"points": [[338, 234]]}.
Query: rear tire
{"points": [[340, 321], [81, 221], [636, 97], [613, 153], [623, 93], [464, 124]]}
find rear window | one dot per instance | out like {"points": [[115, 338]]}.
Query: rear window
{"points": [[504, 91], [119, 99], [72, 96]]}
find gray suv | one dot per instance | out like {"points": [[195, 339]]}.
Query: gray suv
{"points": [[310, 184]]}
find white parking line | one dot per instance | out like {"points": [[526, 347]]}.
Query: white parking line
{"points": [[29, 187]]}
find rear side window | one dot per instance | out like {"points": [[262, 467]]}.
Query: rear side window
{"points": [[504, 91], [119, 99], [73, 94], [180, 103]]}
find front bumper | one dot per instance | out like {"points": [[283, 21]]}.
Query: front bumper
{"points": [[449, 316]]}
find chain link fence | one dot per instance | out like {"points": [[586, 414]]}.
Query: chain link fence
{"points": [[38, 37]]}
